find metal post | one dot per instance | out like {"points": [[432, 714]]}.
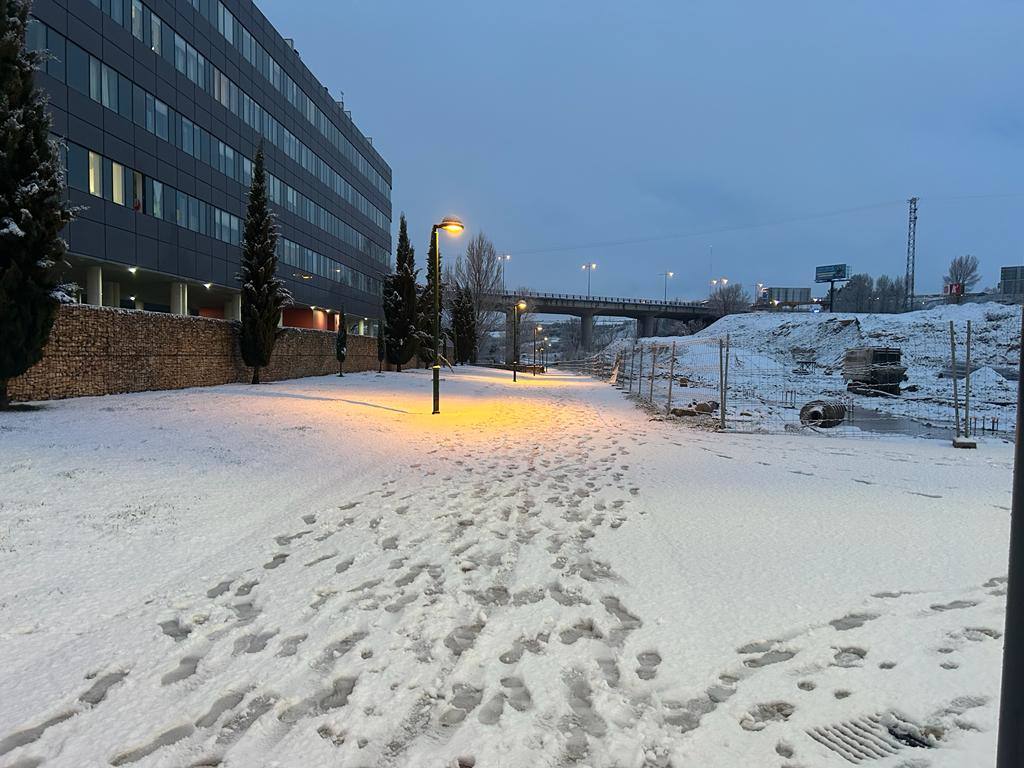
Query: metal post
{"points": [[725, 381], [654, 360], [437, 320], [515, 339], [632, 368], [535, 350], [640, 374], [967, 385], [671, 377], [1010, 752], [952, 358], [721, 383]]}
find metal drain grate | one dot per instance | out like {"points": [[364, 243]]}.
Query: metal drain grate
{"points": [[868, 738]]}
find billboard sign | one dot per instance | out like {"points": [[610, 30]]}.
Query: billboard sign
{"points": [[831, 273]]}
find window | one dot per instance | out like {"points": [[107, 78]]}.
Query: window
{"points": [[179, 53], [150, 114], [158, 200], [137, 19], [78, 68], [109, 88], [193, 214], [95, 174], [156, 32], [118, 183], [137, 194], [181, 209], [161, 120], [35, 36], [117, 11], [187, 136], [78, 167], [95, 80]]}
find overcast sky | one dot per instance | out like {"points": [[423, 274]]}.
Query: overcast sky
{"points": [[698, 126]]}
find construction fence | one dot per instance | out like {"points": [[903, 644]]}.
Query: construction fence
{"points": [[864, 391]]}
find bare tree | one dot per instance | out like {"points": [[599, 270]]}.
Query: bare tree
{"points": [[728, 299], [963, 270], [480, 273]]}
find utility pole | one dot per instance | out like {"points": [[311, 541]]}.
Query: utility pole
{"points": [[908, 283]]}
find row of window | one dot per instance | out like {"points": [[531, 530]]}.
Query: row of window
{"points": [[310, 262], [147, 27], [100, 176], [90, 76]]}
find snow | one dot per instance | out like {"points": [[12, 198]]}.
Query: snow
{"points": [[767, 349], [320, 572]]}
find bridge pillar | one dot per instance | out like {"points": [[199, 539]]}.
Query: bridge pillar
{"points": [[587, 332], [646, 325]]}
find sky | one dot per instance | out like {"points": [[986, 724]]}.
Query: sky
{"points": [[711, 139]]}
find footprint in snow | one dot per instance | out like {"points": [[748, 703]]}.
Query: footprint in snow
{"points": [[276, 561]]}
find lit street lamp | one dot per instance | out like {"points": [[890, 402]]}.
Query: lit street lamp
{"points": [[536, 330], [589, 269], [502, 260], [518, 307], [666, 275], [452, 226]]}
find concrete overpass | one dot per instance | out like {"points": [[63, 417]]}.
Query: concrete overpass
{"points": [[644, 311]]}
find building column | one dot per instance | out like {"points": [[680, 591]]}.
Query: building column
{"points": [[179, 298], [362, 327], [94, 286], [233, 307], [647, 326], [112, 294], [587, 332]]}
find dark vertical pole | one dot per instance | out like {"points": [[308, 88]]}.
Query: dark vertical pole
{"points": [[437, 320], [515, 340], [1010, 753], [831, 295], [535, 350]]}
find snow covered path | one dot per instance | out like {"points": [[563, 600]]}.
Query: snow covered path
{"points": [[321, 573]]}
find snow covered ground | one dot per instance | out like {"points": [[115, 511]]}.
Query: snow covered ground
{"points": [[320, 573], [779, 359]]}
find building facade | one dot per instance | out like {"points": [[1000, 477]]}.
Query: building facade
{"points": [[160, 106]]}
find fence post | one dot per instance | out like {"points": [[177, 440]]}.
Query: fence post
{"points": [[967, 385], [632, 368], [952, 358], [721, 383], [671, 378], [654, 360], [640, 374], [725, 379]]}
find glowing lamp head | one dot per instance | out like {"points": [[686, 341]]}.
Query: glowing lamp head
{"points": [[539, 329], [452, 225], [521, 306], [133, 270], [207, 286]]}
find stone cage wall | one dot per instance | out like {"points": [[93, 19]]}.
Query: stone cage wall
{"points": [[105, 351]]}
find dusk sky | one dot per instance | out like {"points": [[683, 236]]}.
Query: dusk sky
{"points": [[641, 135]]}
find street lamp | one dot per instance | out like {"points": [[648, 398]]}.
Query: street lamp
{"points": [[518, 307], [666, 275], [536, 330], [589, 269], [454, 227], [502, 260]]}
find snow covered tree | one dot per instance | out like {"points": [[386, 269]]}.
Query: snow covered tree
{"points": [[479, 271], [341, 343], [963, 270], [426, 308], [263, 292], [463, 320], [32, 206], [401, 313]]}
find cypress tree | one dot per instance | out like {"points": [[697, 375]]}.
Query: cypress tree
{"points": [[263, 292], [32, 206], [401, 332], [382, 348], [426, 307], [341, 343]]}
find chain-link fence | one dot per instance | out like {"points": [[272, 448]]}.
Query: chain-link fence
{"points": [[914, 389]]}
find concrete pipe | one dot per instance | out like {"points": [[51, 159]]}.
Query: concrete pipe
{"points": [[823, 413]]}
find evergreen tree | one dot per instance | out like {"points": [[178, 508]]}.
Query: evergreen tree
{"points": [[32, 206], [463, 325], [263, 292], [382, 347], [341, 343], [401, 317], [426, 306]]}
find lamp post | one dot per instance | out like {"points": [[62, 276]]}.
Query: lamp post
{"points": [[544, 349], [502, 260], [666, 275], [452, 226], [518, 307], [589, 269], [537, 329]]}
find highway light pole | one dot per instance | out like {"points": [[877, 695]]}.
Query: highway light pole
{"points": [[589, 269], [667, 275], [536, 330], [452, 226], [503, 259]]}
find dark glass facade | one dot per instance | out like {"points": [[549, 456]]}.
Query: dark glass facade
{"points": [[161, 105]]}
